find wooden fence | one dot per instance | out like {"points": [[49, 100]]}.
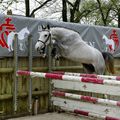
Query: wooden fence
{"points": [[91, 106], [15, 91]]}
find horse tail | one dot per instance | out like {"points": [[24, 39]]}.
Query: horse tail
{"points": [[109, 61]]}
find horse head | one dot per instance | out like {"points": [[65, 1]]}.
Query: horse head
{"points": [[109, 42], [26, 30], [104, 37], [44, 38]]}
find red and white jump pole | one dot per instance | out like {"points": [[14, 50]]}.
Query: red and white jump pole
{"points": [[89, 114], [86, 98], [88, 75], [69, 78]]}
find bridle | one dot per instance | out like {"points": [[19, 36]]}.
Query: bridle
{"points": [[49, 36]]}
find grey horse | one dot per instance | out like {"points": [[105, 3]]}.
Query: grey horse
{"points": [[71, 46]]}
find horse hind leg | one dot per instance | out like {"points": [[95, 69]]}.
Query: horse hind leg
{"points": [[99, 69]]}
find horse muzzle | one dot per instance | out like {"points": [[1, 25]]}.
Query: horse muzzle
{"points": [[41, 50]]}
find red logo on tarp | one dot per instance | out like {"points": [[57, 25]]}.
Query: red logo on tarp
{"points": [[115, 38], [5, 29]]}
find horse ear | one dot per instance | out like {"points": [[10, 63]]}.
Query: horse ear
{"points": [[48, 26], [43, 27]]}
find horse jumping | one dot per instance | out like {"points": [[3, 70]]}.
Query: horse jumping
{"points": [[71, 46]]}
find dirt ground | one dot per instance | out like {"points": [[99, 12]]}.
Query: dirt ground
{"points": [[53, 116]]}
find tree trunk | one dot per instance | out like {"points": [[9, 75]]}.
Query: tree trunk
{"points": [[64, 10], [119, 18], [101, 12], [75, 8], [27, 7]]}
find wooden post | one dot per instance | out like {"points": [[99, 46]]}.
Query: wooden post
{"points": [[50, 70], [49, 56], [15, 90], [30, 69]]}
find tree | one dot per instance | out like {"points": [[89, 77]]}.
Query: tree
{"points": [[4, 5], [105, 8], [87, 12], [116, 11], [74, 7], [98, 12], [64, 10], [39, 7], [27, 7]]}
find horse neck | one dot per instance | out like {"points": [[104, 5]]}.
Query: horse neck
{"points": [[63, 33], [54, 31], [55, 34]]}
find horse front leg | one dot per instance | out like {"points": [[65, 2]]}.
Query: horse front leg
{"points": [[55, 53]]}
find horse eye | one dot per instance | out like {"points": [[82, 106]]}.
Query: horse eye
{"points": [[45, 35]]}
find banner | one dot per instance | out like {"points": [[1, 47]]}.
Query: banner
{"points": [[102, 38]]}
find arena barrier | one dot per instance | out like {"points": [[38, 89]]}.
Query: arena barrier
{"points": [[86, 105]]}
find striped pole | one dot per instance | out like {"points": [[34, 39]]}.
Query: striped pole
{"points": [[88, 75], [89, 114], [69, 78], [86, 98]]}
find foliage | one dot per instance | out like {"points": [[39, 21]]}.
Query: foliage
{"points": [[98, 12]]}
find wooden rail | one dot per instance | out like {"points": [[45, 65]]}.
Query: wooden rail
{"points": [[9, 70], [24, 94]]}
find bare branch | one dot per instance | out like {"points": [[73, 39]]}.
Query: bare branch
{"points": [[74, 9], [69, 3], [101, 11], [32, 13]]}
